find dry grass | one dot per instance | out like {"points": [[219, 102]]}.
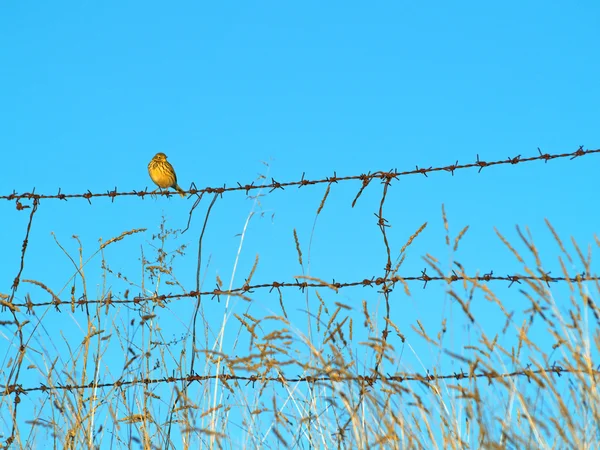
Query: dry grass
{"points": [[340, 373]]}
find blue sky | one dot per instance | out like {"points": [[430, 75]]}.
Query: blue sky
{"points": [[90, 92]]}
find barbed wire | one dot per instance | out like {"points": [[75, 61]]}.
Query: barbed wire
{"points": [[367, 380], [385, 284], [273, 185]]}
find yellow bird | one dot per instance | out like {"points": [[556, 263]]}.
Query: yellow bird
{"points": [[162, 173]]}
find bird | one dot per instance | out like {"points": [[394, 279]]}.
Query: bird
{"points": [[162, 173]]}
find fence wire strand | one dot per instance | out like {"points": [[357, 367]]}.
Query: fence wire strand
{"points": [[273, 185], [245, 290], [366, 380]]}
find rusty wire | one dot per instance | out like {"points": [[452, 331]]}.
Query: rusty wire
{"points": [[273, 185], [368, 380], [386, 284]]}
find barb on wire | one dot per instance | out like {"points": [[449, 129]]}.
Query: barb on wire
{"points": [[365, 178]]}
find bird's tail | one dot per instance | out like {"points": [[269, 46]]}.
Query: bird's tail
{"points": [[181, 191]]}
